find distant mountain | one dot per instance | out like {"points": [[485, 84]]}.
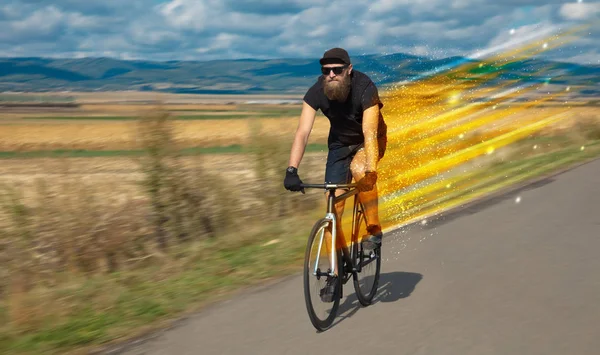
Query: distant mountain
{"points": [[283, 76]]}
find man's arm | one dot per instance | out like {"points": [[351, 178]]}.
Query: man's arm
{"points": [[307, 118], [369, 126]]}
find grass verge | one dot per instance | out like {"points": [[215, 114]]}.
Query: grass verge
{"points": [[258, 114], [83, 153], [145, 299], [79, 313]]}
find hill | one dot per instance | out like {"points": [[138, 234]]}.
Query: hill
{"points": [[245, 76]]}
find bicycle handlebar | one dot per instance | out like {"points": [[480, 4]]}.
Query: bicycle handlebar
{"points": [[328, 186]]}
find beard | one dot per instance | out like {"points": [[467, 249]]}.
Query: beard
{"points": [[337, 89]]}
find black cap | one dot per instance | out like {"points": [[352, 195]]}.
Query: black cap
{"points": [[335, 56]]}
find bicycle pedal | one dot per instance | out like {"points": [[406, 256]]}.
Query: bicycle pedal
{"points": [[348, 268]]}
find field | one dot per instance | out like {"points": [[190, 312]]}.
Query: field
{"points": [[212, 132], [216, 131], [170, 214], [112, 125]]}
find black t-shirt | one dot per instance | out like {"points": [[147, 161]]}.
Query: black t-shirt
{"points": [[345, 117]]}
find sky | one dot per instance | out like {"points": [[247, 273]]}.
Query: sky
{"points": [[263, 29]]}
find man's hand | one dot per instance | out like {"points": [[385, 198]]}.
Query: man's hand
{"points": [[292, 181], [367, 182]]}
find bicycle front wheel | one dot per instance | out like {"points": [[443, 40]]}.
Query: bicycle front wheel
{"points": [[368, 264], [317, 261]]}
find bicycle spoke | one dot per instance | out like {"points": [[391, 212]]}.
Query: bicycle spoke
{"points": [[367, 279], [317, 258]]}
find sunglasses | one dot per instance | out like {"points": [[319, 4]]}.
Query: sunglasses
{"points": [[336, 70]]}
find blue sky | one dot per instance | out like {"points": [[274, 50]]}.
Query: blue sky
{"points": [[228, 29]]}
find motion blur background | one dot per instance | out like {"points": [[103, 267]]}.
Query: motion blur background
{"points": [[143, 144]]}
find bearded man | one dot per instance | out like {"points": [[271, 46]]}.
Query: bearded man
{"points": [[357, 137]]}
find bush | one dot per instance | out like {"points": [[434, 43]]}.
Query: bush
{"points": [[270, 155]]}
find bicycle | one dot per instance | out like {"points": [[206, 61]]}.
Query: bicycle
{"points": [[362, 265]]}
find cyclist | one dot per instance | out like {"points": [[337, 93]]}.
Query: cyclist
{"points": [[357, 137]]}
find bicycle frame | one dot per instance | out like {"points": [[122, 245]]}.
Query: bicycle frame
{"points": [[349, 263], [331, 217]]}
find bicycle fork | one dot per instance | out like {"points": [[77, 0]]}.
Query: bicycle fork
{"points": [[330, 216]]}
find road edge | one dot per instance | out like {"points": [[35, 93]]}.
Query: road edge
{"points": [[121, 346], [434, 216]]}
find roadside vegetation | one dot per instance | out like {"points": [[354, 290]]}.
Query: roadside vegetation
{"points": [[84, 264]]}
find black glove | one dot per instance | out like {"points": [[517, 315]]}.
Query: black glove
{"points": [[292, 181], [367, 182]]}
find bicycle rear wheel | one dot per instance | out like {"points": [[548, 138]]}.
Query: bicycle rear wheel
{"points": [[321, 313], [368, 262]]}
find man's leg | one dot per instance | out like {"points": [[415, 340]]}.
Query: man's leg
{"points": [[340, 240], [328, 290], [368, 198], [337, 172]]}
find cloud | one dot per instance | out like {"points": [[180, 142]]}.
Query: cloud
{"points": [[41, 25], [218, 29], [580, 11], [98, 8], [188, 14]]}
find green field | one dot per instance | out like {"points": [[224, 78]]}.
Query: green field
{"points": [[82, 153], [261, 114]]}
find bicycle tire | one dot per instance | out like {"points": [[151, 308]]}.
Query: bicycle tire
{"points": [[371, 282], [319, 323]]}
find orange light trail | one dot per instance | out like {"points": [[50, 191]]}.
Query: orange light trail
{"points": [[438, 122]]}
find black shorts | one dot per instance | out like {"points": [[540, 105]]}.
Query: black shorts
{"points": [[337, 170]]}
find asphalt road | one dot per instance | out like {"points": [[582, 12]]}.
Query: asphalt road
{"points": [[498, 277]]}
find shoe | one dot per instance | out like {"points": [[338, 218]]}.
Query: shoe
{"points": [[328, 291], [373, 241]]}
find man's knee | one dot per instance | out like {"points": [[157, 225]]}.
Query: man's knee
{"points": [[357, 166]]}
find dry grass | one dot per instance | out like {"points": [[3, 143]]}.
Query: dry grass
{"points": [[114, 135], [90, 190], [579, 122], [128, 96], [52, 134], [103, 107], [72, 229], [63, 228], [17, 135]]}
